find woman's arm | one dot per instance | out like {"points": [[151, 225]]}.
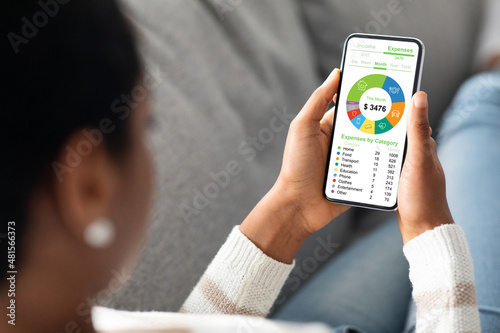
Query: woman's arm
{"points": [[442, 276], [441, 268], [250, 269], [240, 280], [248, 272]]}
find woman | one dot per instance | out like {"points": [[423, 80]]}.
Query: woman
{"points": [[76, 185]]}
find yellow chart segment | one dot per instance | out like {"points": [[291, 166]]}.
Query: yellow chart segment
{"points": [[368, 126]]}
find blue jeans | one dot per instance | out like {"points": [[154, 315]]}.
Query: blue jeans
{"points": [[367, 285]]}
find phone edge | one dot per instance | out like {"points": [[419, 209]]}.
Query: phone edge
{"points": [[416, 88]]}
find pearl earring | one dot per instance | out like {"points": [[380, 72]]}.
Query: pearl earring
{"points": [[100, 233]]}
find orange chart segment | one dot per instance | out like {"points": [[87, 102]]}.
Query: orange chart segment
{"points": [[396, 113]]}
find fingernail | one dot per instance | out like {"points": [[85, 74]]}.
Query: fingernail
{"points": [[420, 100], [332, 74]]}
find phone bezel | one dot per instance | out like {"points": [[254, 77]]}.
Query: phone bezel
{"points": [[416, 87]]}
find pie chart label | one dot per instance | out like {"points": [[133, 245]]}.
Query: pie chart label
{"points": [[375, 104]]}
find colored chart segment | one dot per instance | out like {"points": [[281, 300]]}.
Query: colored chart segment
{"points": [[392, 115], [368, 126], [396, 113], [358, 121], [354, 113], [382, 126], [364, 84], [394, 90]]}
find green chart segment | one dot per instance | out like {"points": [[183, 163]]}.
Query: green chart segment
{"points": [[393, 114]]}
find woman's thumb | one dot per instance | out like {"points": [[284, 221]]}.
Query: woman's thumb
{"points": [[418, 120]]}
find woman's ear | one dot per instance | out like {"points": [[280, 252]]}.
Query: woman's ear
{"points": [[85, 182]]}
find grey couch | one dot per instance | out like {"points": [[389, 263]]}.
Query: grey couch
{"points": [[225, 69]]}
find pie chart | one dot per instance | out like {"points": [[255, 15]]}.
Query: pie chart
{"points": [[375, 104]]}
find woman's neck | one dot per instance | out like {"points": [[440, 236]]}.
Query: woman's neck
{"points": [[44, 302], [49, 293]]}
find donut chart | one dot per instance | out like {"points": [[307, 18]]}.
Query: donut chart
{"points": [[375, 104]]}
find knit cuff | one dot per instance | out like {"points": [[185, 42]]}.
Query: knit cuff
{"points": [[241, 255], [439, 256]]}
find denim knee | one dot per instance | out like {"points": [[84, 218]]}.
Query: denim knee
{"points": [[476, 103]]}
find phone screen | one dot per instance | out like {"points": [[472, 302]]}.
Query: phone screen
{"points": [[380, 74]]}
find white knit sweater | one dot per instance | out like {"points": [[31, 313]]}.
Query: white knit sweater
{"points": [[244, 282]]}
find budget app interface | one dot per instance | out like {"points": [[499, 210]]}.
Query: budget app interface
{"points": [[379, 76]]}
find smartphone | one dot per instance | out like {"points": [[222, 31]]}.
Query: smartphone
{"points": [[379, 76]]}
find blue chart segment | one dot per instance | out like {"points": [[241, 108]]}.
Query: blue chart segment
{"points": [[368, 108]]}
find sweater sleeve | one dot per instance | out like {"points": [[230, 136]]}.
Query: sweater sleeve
{"points": [[241, 279], [442, 275]]}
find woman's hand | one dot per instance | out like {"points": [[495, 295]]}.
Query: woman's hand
{"points": [[306, 152], [295, 207], [422, 201]]}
